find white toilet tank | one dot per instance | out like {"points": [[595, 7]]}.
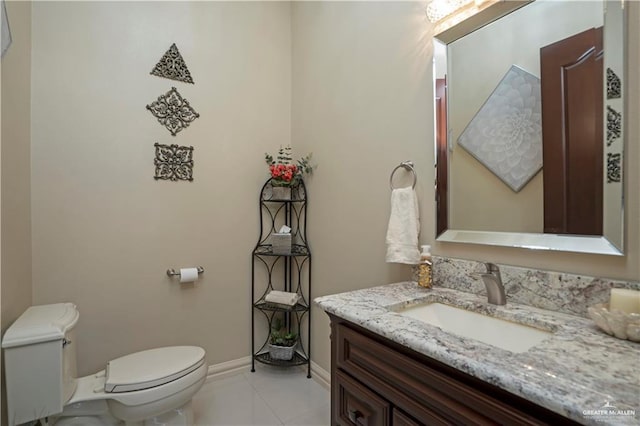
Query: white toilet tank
{"points": [[40, 361]]}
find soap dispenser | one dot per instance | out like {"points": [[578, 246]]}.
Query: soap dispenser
{"points": [[424, 267]]}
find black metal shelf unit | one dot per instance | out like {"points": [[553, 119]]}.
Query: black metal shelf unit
{"points": [[285, 271]]}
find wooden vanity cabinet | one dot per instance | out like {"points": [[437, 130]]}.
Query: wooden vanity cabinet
{"points": [[377, 382]]}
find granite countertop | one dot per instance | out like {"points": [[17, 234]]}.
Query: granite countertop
{"points": [[578, 369]]}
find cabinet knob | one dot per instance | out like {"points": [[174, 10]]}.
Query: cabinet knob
{"points": [[354, 415]]}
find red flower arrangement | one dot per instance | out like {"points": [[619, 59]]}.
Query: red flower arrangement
{"points": [[283, 171]]}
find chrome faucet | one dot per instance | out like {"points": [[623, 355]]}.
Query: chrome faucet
{"points": [[493, 283]]}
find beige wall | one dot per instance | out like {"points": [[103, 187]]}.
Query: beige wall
{"points": [[362, 102], [16, 177], [104, 232]]}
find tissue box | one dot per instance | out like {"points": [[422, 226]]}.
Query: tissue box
{"points": [[281, 243]]}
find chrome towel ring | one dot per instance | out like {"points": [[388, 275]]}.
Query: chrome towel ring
{"points": [[408, 166]]}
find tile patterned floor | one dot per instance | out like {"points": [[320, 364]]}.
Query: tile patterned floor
{"points": [[270, 396]]}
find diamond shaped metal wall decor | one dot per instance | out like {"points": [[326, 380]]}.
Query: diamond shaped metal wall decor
{"points": [[172, 66], [173, 162], [173, 111]]}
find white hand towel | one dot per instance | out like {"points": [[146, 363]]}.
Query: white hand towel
{"points": [[282, 297], [404, 227]]}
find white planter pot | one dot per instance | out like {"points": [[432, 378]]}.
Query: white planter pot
{"points": [[283, 353]]}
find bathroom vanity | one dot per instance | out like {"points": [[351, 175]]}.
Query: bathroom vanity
{"points": [[389, 368], [377, 382]]}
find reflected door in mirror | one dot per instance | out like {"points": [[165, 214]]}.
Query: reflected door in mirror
{"points": [[442, 170], [572, 128]]}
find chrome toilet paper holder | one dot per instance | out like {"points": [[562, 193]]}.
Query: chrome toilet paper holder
{"points": [[173, 273]]}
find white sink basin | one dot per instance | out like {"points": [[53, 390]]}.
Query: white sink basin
{"points": [[501, 333]]}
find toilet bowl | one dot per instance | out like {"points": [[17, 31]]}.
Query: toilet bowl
{"points": [[152, 387], [87, 421], [140, 388]]}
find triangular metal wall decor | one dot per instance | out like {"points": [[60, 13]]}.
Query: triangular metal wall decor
{"points": [[172, 66]]}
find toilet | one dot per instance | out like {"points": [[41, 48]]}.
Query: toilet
{"points": [[152, 387]]}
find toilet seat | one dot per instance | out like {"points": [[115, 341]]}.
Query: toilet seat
{"points": [[137, 405], [144, 404], [185, 373], [152, 368]]}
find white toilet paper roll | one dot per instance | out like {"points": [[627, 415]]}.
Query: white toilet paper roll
{"points": [[188, 275]]}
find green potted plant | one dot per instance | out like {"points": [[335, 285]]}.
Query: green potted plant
{"points": [[281, 342], [284, 173]]}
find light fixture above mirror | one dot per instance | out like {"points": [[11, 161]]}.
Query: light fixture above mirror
{"points": [[448, 13], [439, 9]]}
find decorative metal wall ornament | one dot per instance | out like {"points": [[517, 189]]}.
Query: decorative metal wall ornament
{"points": [[614, 86], [173, 162], [613, 167], [172, 66], [614, 125], [173, 111]]}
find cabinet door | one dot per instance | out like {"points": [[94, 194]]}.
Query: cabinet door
{"points": [[401, 419], [354, 404]]}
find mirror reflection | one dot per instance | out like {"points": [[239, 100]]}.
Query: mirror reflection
{"points": [[529, 139]]}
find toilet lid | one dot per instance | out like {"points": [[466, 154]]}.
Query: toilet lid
{"points": [[151, 368], [41, 323]]}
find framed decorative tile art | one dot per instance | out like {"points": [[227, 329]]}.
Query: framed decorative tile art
{"points": [[505, 135]]}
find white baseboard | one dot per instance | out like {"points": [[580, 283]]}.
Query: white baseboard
{"points": [[228, 368], [321, 375], [235, 366]]}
